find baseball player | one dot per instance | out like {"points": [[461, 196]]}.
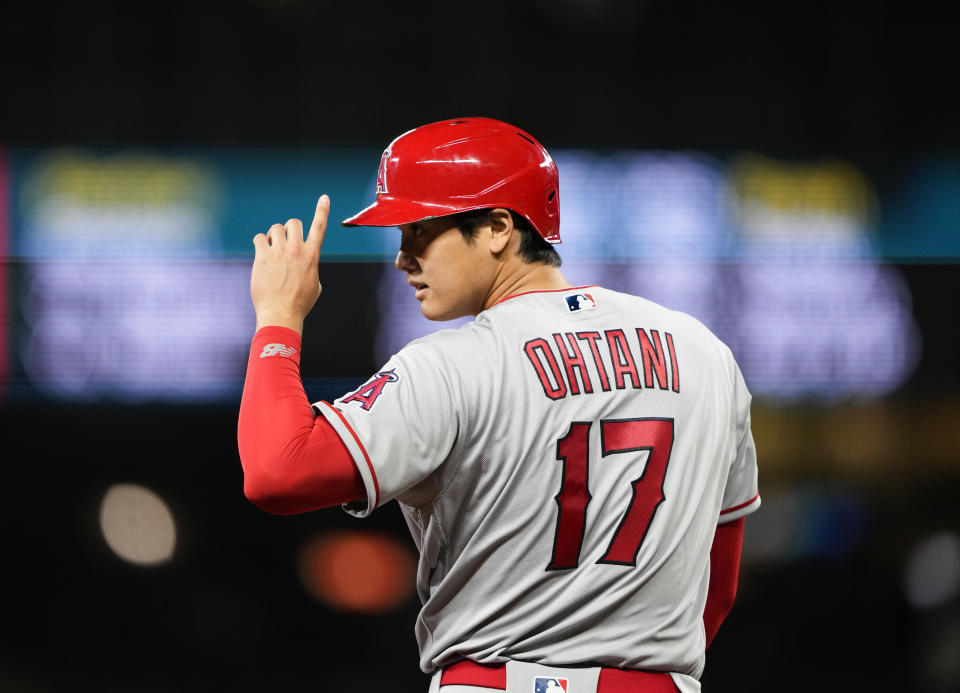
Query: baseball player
{"points": [[574, 464]]}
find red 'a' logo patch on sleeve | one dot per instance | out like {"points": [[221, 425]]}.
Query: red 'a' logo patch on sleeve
{"points": [[369, 392]]}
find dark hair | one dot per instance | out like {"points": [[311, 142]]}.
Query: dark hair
{"points": [[532, 246]]}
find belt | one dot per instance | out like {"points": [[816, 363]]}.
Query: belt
{"points": [[468, 673]]}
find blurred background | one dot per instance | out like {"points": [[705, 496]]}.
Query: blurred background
{"points": [[788, 174]]}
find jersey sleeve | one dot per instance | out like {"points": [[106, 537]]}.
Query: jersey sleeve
{"points": [[741, 494], [401, 424]]}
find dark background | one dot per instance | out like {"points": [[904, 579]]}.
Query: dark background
{"points": [[872, 83]]}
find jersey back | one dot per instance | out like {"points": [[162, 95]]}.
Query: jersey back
{"points": [[562, 463]]}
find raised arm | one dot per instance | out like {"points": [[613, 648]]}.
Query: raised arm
{"points": [[292, 462]]}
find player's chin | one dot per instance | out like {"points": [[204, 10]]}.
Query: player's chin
{"points": [[433, 310], [430, 312]]}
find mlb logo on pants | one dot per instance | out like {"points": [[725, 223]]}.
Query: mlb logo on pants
{"points": [[548, 684]]}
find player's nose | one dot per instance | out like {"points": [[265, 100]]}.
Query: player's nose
{"points": [[405, 262]]}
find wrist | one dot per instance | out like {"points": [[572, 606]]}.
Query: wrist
{"points": [[278, 319]]}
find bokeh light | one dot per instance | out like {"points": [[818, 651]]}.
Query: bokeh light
{"points": [[358, 571], [932, 573], [137, 525]]}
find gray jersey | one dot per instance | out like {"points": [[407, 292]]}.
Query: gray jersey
{"points": [[562, 462]]}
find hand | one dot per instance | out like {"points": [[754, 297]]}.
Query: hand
{"points": [[284, 282]]}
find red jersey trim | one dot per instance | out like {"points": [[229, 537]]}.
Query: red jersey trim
{"points": [[738, 507], [373, 473], [544, 291]]}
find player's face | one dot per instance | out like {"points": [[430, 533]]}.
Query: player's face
{"points": [[450, 276]]}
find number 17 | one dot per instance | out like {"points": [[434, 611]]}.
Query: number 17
{"points": [[616, 436]]}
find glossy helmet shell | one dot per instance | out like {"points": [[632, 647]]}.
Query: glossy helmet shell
{"points": [[461, 165]]}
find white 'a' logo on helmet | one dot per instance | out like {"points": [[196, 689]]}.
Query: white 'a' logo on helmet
{"points": [[382, 173]]}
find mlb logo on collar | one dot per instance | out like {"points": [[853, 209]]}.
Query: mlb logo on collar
{"points": [[549, 684], [580, 302]]}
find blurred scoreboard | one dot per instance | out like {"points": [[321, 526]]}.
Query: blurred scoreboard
{"points": [[135, 265], [126, 273]]}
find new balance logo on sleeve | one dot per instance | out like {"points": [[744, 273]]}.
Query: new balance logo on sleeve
{"points": [[277, 350]]}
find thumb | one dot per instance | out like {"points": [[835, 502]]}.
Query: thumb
{"points": [[318, 228]]}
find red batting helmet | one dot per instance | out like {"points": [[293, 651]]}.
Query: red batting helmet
{"points": [[465, 164]]}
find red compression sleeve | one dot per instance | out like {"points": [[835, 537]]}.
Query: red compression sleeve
{"points": [[724, 570], [292, 461]]}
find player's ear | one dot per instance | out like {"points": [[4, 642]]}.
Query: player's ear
{"points": [[501, 229]]}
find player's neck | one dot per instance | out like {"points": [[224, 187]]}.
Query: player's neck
{"points": [[520, 277]]}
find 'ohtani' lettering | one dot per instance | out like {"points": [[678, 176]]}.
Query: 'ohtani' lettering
{"points": [[545, 364], [572, 363]]}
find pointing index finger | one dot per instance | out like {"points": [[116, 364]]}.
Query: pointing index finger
{"points": [[318, 228]]}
